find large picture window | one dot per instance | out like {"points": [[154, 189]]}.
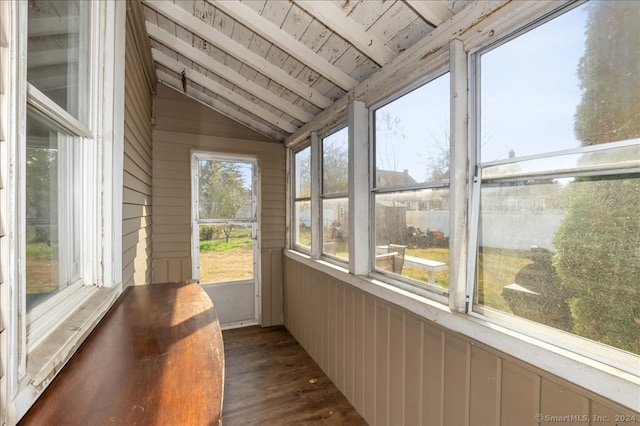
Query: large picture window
{"points": [[411, 186], [559, 199]]}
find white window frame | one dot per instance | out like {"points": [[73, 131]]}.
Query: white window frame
{"points": [[196, 220], [583, 347], [35, 351], [582, 369], [434, 292], [321, 196], [295, 199]]}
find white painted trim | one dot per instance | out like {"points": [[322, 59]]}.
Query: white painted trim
{"points": [[601, 379], [359, 194], [459, 177], [288, 198], [254, 221], [316, 202], [43, 104]]}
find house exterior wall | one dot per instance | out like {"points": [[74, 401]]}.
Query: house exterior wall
{"points": [[181, 126], [396, 367], [137, 173]]}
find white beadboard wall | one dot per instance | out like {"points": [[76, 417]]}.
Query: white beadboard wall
{"points": [[398, 368]]}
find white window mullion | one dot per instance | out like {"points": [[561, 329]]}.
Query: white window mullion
{"points": [[459, 177], [316, 201], [359, 194], [63, 223]]}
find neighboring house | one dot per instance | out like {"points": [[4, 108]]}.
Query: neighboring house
{"points": [[121, 94]]}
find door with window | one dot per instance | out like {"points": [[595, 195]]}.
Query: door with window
{"points": [[224, 238]]}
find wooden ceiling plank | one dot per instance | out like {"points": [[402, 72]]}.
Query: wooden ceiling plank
{"points": [[221, 41], [214, 66], [222, 91], [246, 16], [219, 107], [434, 12], [334, 18], [296, 23]]}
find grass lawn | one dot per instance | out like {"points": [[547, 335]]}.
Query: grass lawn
{"points": [[41, 268], [222, 260]]}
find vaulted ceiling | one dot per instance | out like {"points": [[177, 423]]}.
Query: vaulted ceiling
{"points": [[274, 65]]}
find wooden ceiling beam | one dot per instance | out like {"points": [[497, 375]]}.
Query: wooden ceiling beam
{"points": [[334, 19], [218, 106], [206, 61], [265, 28], [434, 12], [235, 49], [222, 91]]}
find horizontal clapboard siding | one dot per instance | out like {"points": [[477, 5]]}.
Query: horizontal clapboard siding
{"points": [[181, 126], [137, 174], [397, 368]]}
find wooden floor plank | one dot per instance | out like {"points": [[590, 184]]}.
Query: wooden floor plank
{"points": [[271, 380]]}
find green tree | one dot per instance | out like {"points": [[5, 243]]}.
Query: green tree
{"points": [[335, 164], [224, 192], [598, 243], [41, 189]]}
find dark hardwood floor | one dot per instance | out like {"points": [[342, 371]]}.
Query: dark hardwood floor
{"points": [[271, 380]]}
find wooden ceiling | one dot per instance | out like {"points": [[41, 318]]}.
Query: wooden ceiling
{"points": [[274, 65]]}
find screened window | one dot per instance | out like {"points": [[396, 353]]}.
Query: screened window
{"points": [[334, 196], [411, 185], [559, 200], [52, 214], [57, 122], [302, 198]]}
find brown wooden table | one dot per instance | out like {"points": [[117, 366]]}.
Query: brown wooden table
{"points": [[157, 358]]}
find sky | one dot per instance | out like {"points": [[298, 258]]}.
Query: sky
{"points": [[530, 91]]}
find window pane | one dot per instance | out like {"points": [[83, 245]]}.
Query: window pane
{"points": [[414, 224], [335, 227], [335, 163], [303, 173], [225, 190], [302, 221], [412, 137], [226, 252], [58, 52], [570, 82], [53, 202], [565, 254]]}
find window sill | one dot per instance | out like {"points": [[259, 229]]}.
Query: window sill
{"points": [[48, 358], [599, 378]]}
